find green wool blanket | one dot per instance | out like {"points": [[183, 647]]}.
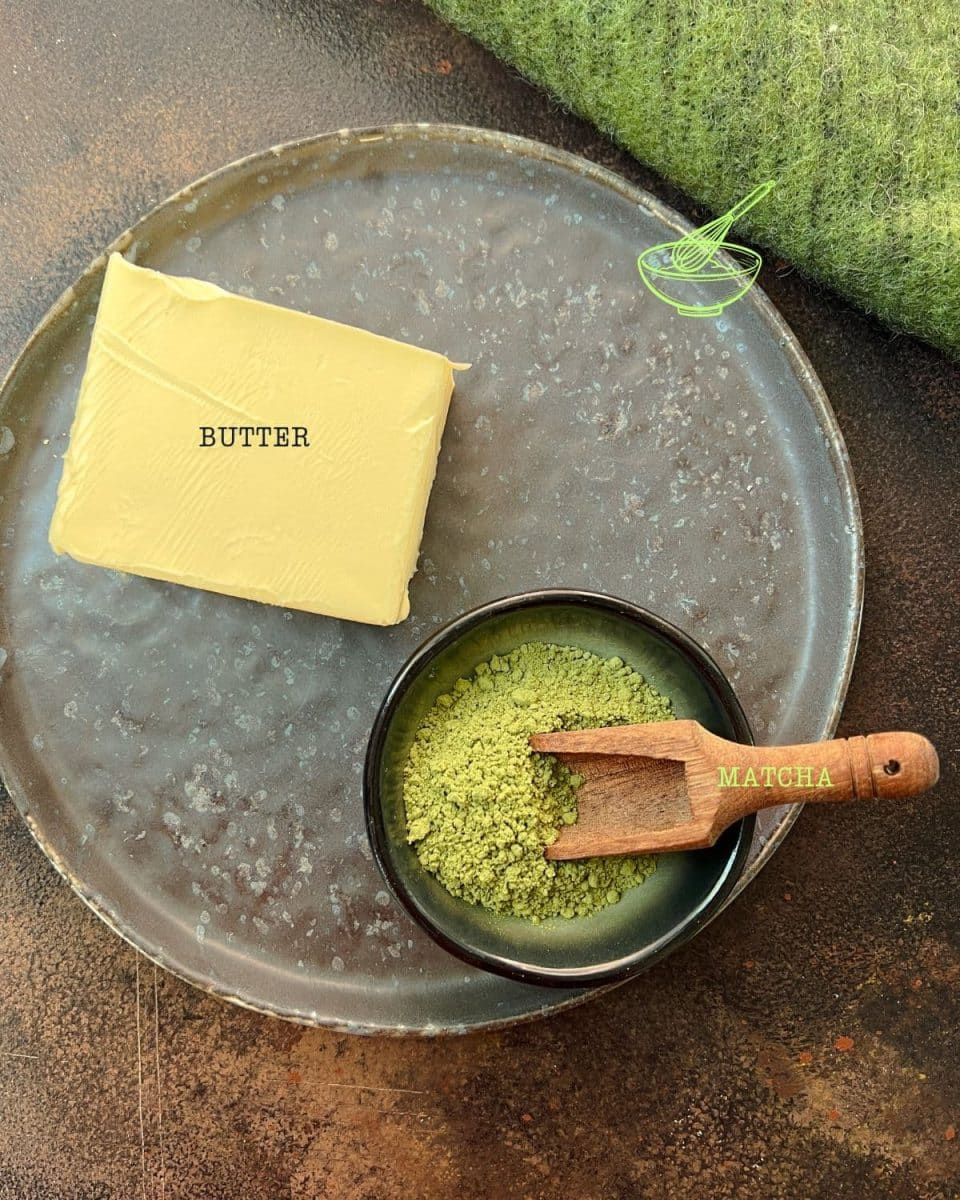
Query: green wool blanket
{"points": [[852, 106]]}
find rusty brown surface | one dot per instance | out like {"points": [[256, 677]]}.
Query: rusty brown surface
{"points": [[806, 1047]]}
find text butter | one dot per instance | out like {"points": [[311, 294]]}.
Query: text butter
{"points": [[235, 446]]}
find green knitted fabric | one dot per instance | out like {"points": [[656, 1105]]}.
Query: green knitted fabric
{"points": [[853, 106]]}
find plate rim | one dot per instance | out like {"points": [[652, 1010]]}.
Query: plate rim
{"points": [[788, 343]]}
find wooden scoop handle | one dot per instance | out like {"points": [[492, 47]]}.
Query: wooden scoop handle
{"points": [[874, 767]]}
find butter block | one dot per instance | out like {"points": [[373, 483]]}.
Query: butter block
{"points": [[232, 445]]}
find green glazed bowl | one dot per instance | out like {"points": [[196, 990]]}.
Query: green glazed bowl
{"points": [[686, 890]]}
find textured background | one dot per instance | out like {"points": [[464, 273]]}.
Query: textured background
{"points": [[806, 1047]]}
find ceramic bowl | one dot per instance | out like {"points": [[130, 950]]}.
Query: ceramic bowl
{"points": [[686, 890]]}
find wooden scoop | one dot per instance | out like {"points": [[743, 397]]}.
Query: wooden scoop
{"points": [[675, 786]]}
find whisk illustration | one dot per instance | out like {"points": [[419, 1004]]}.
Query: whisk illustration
{"points": [[693, 274]]}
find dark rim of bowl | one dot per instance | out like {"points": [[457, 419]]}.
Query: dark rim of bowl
{"points": [[580, 977]]}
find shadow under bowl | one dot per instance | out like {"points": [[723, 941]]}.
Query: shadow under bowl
{"points": [[703, 293], [686, 890]]}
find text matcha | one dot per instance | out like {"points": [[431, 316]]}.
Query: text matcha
{"points": [[767, 776], [481, 806]]}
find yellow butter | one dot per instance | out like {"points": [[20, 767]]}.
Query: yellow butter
{"points": [[332, 526]]}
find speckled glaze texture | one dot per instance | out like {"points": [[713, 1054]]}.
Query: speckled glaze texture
{"points": [[192, 762]]}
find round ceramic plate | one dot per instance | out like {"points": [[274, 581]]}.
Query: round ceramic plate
{"points": [[191, 762]]}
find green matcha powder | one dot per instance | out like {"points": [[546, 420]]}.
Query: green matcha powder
{"points": [[481, 805]]}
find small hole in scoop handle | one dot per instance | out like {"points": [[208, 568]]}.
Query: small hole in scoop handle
{"points": [[903, 764]]}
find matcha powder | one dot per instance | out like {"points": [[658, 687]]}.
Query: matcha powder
{"points": [[481, 805]]}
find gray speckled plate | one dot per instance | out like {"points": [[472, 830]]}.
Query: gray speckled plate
{"points": [[191, 762]]}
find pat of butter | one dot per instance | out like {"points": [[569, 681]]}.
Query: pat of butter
{"points": [[318, 506]]}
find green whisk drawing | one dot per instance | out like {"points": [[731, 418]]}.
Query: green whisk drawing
{"points": [[693, 275]]}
